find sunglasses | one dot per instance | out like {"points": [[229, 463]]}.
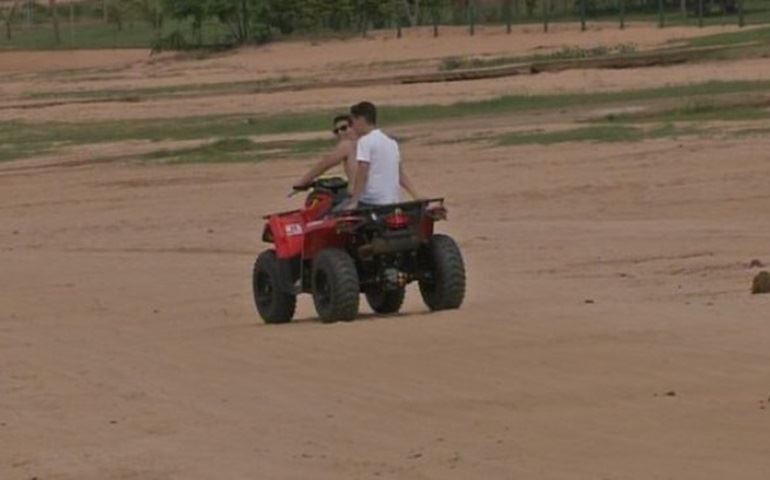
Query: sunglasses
{"points": [[340, 129]]}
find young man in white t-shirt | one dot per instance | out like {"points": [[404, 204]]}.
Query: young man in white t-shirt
{"points": [[379, 172]]}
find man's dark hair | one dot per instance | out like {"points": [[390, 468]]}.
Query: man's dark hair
{"points": [[340, 118], [366, 110]]}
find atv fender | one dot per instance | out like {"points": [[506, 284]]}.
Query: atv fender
{"points": [[286, 232]]}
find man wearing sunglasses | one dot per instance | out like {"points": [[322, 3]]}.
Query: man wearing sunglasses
{"points": [[343, 153]]}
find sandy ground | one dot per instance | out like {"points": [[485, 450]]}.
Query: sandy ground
{"points": [[381, 46], [308, 62], [608, 330], [130, 348], [43, 61], [571, 81]]}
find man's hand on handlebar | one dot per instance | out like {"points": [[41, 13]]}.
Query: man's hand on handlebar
{"points": [[299, 187], [302, 185]]}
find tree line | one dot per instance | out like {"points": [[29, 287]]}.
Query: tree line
{"points": [[258, 21]]}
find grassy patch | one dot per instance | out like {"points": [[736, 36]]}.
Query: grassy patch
{"points": [[12, 149], [20, 136], [17, 151], [565, 53], [232, 150], [698, 112], [167, 91], [597, 134], [306, 148], [157, 129], [94, 34], [224, 150], [515, 103], [758, 35], [20, 140], [751, 132]]}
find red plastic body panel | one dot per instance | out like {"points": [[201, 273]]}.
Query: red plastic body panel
{"points": [[287, 231], [293, 236], [323, 234], [308, 231], [316, 206]]}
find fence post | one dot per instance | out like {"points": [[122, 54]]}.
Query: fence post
{"points": [[741, 19], [53, 7], [507, 14], [472, 16], [622, 14], [545, 15], [661, 20], [72, 23], [395, 18], [436, 20], [583, 15], [158, 22], [245, 19], [700, 13]]}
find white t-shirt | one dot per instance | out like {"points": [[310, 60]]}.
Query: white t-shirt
{"points": [[381, 152]]}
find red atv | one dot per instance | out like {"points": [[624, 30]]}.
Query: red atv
{"points": [[337, 255]]}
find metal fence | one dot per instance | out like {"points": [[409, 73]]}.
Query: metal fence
{"points": [[29, 24]]}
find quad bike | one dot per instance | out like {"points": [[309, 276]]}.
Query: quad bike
{"points": [[337, 255]]}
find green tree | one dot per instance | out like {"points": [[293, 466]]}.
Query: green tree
{"points": [[530, 5], [507, 9], [7, 15], [286, 15], [435, 7], [342, 14], [55, 18], [196, 10], [371, 12], [412, 11]]}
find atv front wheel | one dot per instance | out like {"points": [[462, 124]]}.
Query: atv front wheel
{"points": [[335, 286], [443, 285], [386, 301], [273, 304]]}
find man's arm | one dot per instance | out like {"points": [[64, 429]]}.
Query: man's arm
{"points": [[406, 181], [363, 157], [340, 153], [362, 174]]}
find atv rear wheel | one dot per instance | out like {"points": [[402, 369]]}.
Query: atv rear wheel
{"points": [[335, 286], [386, 301], [443, 287], [273, 304]]}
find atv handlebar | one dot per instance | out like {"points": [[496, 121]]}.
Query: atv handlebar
{"points": [[304, 188], [332, 184]]}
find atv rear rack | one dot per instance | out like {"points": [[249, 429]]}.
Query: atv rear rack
{"points": [[439, 202]]}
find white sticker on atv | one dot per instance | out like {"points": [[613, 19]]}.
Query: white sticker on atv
{"points": [[293, 229]]}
